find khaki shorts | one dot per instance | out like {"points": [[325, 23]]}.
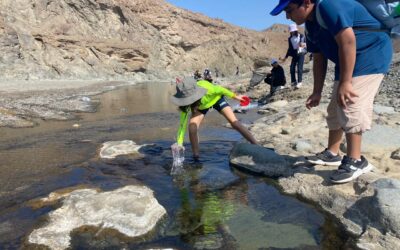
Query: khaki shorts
{"points": [[357, 117]]}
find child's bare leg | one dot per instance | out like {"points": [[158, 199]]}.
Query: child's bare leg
{"points": [[194, 124], [227, 112]]}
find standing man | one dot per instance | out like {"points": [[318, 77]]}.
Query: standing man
{"points": [[361, 58], [297, 50]]}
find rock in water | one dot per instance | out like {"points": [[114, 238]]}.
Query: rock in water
{"points": [[132, 210], [112, 149], [259, 160]]}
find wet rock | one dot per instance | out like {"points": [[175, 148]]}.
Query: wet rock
{"points": [[132, 210], [269, 235], [385, 205], [11, 120], [210, 241], [378, 213], [372, 239], [112, 149], [213, 178], [259, 160]]}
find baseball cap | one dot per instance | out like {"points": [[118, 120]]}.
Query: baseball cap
{"points": [[293, 27], [281, 5], [273, 61]]}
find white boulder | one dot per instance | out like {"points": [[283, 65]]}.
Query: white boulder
{"points": [[132, 210]]}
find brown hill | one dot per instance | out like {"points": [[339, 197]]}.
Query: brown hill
{"points": [[116, 39]]}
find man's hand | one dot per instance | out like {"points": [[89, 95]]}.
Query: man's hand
{"points": [[313, 100], [346, 94]]}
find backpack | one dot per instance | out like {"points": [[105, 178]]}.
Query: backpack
{"points": [[387, 12]]}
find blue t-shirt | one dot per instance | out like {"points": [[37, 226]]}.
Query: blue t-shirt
{"points": [[373, 49]]}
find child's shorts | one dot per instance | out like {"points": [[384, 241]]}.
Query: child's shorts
{"points": [[219, 105], [357, 117]]}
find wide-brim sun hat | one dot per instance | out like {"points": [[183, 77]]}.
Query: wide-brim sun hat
{"points": [[187, 92], [279, 8]]}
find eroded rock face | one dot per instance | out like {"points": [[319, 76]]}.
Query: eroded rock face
{"points": [[132, 210], [72, 39]]}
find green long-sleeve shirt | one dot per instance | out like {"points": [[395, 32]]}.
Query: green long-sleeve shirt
{"points": [[214, 93]]}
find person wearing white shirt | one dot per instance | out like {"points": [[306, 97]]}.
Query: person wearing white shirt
{"points": [[297, 50]]}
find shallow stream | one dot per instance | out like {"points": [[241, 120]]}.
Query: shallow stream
{"points": [[210, 205]]}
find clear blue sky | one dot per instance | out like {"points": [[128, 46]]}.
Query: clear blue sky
{"points": [[251, 14]]}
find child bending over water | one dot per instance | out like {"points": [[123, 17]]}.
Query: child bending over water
{"points": [[197, 98]]}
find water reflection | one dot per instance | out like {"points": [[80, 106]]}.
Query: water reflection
{"points": [[141, 99], [209, 206]]}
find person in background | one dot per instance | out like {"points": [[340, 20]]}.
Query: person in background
{"points": [[296, 50], [361, 59], [216, 72], [197, 98], [197, 75], [276, 78], [207, 74], [237, 70]]}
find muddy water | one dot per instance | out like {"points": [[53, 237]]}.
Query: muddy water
{"points": [[204, 211]]}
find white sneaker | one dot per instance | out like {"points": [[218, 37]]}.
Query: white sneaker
{"points": [[298, 85], [280, 87]]}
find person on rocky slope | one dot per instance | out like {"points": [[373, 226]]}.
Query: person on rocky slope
{"points": [[197, 98], [276, 78], [296, 50], [361, 58]]}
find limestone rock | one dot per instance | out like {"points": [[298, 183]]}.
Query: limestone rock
{"points": [[372, 239], [213, 178], [380, 109], [385, 205], [381, 137], [132, 210], [113, 149], [259, 160], [302, 146]]}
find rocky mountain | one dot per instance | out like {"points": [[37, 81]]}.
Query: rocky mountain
{"points": [[118, 39]]}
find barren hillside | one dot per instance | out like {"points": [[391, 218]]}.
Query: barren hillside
{"points": [[115, 39]]}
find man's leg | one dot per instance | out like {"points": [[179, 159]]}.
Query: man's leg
{"points": [[330, 156], [300, 69], [354, 145], [194, 124], [334, 140], [293, 70], [356, 119]]}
